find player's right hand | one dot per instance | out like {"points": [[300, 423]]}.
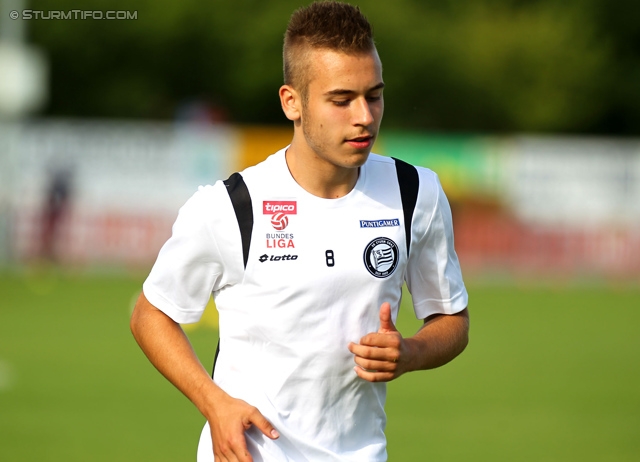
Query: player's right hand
{"points": [[231, 418]]}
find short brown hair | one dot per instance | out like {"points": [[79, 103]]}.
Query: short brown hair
{"points": [[326, 24]]}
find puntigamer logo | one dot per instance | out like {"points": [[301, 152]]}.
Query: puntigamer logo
{"points": [[379, 223]]}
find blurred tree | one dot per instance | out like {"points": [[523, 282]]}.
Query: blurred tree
{"points": [[617, 22], [465, 65], [533, 68]]}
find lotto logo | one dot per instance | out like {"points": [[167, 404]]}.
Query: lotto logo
{"points": [[265, 257], [279, 221], [272, 207]]}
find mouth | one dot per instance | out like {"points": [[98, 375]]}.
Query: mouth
{"points": [[361, 142]]}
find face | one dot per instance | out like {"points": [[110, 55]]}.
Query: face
{"points": [[343, 107]]}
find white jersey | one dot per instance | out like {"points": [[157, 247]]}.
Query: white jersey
{"points": [[316, 274]]}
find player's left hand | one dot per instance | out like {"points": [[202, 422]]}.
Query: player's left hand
{"points": [[381, 356]]}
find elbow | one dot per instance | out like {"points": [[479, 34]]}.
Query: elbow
{"points": [[464, 342], [137, 316], [464, 330], [133, 323]]}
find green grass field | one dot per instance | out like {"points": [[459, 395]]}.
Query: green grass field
{"points": [[551, 374]]}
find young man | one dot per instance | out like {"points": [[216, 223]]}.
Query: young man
{"points": [[306, 254]]}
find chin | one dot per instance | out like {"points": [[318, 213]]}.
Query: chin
{"points": [[357, 159]]}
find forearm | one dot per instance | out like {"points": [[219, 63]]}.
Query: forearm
{"points": [[163, 341], [438, 341], [169, 350]]}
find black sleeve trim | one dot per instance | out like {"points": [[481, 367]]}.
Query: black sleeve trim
{"points": [[242, 206], [241, 200], [409, 182]]}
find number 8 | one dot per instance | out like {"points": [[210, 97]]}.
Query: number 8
{"points": [[329, 256]]}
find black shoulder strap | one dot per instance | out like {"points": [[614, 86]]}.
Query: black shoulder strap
{"points": [[241, 201], [409, 182]]}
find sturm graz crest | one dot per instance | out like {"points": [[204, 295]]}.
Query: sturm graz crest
{"points": [[381, 257]]}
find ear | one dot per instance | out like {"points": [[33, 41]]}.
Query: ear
{"points": [[291, 102]]}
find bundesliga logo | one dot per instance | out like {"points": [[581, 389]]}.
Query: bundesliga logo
{"points": [[279, 211], [279, 221]]}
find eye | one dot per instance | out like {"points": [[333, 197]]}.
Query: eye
{"points": [[374, 98], [344, 102]]}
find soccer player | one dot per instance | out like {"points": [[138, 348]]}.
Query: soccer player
{"points": [[306, 254]]}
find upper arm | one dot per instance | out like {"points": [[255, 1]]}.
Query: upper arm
{"points": [[195, 260], [434, 277]]}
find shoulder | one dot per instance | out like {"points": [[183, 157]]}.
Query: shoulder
{"points": [[209, 209], [430, 199], [428, 180], [206, 197], [266, 170], [381, 171], [376, 160], [213, 199]]}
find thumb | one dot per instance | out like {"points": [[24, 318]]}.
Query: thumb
{"points": [[264, 425], [386, 323]]}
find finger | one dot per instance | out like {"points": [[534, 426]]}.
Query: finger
{"points": [[231, 446], [260, 421], [223, 458], [231, 455], [370, 376], [240, 452], [377, 352], [235, 449], [382, 340], [386, 323], [373, 365]]}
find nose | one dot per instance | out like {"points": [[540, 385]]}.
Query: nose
{"points": [[362, 115]]}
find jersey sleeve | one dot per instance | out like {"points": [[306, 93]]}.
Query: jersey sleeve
{"points": [[193, 262], [434, 277]]}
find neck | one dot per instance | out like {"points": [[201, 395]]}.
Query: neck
{"points": [[319, 177]]}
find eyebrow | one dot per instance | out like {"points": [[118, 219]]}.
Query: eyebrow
{"points": [[341, 91]]}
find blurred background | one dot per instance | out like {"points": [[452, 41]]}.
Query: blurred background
{"points": [[528, 110], [112, 114]]}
